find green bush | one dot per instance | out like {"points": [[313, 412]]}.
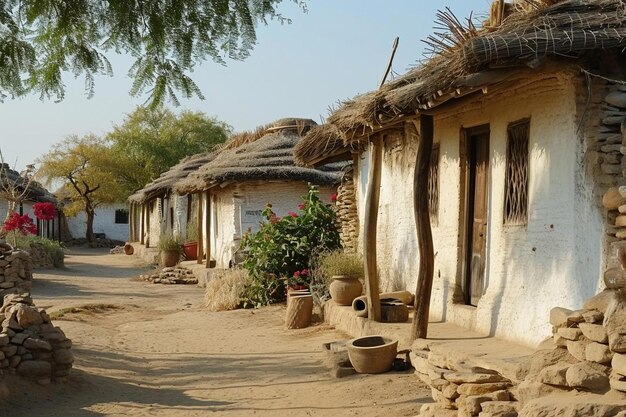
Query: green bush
{"points": [[170, 242], [53, 248], [191, 234], [340, 262], [280, 253]]}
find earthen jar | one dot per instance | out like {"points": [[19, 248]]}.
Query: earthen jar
{"points": [[299, 311], [169, 258], [344, 289], [372, 354]]}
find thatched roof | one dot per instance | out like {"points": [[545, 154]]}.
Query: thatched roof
{"points": [[36, 192], [266, 154], [468, 59], [168, 179], [323, 144]]}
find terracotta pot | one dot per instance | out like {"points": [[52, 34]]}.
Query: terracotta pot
{"points": [[169, 257], [190, 250], [299, 311], [344, 289], [359, 305], [128, 249], [372, 354]]}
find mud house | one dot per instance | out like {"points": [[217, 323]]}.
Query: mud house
{"points": [[526, 118], [156, 210], [249, 171]]}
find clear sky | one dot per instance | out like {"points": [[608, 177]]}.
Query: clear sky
{"points": [[335, 51]]}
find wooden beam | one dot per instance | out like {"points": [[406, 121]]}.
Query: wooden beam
{"points": [[200, 230], [207, 217], [424, 233], [372, 287], [141, 224], [147, 231]]}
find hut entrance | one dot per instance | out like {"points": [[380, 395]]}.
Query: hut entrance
{"points": [[476, 218]]}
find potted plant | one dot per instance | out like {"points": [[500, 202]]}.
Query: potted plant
{"points": [[170, 247], [343, 270], [190, 247]]}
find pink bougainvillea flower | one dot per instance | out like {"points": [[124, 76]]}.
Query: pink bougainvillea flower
{"points": [[296, 274], [274, 218], [44, 211], [333, 198], [304, 272], [292, 214]]}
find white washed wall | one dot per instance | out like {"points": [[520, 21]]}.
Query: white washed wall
{"points": [[554, 261], [104, 222]]}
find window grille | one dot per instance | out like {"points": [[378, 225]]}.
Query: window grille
{"points": [[121, 216], [433, 183], [516, 181]]}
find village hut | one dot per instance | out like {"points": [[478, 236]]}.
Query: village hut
{"points": [[251, 170], [513, 133], [156, 210]]}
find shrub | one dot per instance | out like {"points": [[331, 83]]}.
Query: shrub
{"points": [[170, 242], [53, 248], [225, 289], [191, 232], [284, 246], [340, 263]]}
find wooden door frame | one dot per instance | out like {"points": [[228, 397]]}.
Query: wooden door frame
{"points": [[462, 295]]}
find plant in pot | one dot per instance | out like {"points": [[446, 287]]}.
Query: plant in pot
{"points": [[190, 247], [342, 270], [170, 247]]}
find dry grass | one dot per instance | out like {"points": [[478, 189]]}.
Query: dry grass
{"points": [[224, 289], [77, 313]]}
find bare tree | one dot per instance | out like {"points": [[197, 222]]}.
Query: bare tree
{"points": [[14, 188]]}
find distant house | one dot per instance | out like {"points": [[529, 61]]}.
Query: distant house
{"points": [[527, 130], [249, 171], [110, 222]]}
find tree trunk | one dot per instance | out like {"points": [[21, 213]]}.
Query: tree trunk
{"points": [[91, 238], [424, 233]]}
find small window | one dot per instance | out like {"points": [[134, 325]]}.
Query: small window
{"points": [[516, 182], [121, 216], [433, 184]]}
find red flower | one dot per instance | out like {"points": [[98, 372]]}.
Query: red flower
{"points": [[22, 224], [296, 274], [44, 211], [274, 218], [304, 272], [292, 214], [302, 206], [333, 198]]}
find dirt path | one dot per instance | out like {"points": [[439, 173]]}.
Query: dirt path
{"points": [[156, 352]]}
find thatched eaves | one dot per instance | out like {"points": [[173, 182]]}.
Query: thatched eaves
{"points": [[477, 59], [35, 192], [266, 157], [322, 145]]}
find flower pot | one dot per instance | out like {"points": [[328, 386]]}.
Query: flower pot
{"points": [[372, 354], [344, 289], [169, 257], [190, 250], [299, 311], [129, 249]]}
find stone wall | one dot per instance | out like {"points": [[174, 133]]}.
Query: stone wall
{"points": [[346, 211], [16, 271]]}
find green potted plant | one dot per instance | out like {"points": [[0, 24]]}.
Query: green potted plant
{"points": [[170, 247], [190, 247], [343, 270]]}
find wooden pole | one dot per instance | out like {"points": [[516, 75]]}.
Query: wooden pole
{"points": [[131, 221], [200, 235], [207, 216], [142, 227], [424, 233], [147, 231], [388, 69], [372, 287]]}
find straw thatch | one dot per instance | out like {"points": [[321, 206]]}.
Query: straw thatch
{"points": [[35, 192], [258, 156], [168, 179], [323, 144], [469, 59]]}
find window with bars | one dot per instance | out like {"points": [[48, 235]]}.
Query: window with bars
{"points": [[121, 216], [516, 181], [433, 184]]}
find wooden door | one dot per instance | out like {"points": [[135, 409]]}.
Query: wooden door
{"points": [[477, 219]]}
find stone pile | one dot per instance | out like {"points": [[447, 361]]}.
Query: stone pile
{"points": [[16, 271], [171, 275], [39, 256], [346, 211], [30, 345], [459, 390]]}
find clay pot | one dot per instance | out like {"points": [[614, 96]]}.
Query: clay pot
{"points": [[344, 289], [299, 311], [169, 257], [359, 305], [190, 249], [372, 354], [128, 249]]}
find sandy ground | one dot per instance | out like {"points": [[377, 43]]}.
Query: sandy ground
{"points": [[159, 353]]}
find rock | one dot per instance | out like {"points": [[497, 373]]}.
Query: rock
{"points": [[554, 374], [500, 408], [63, 356], [593, 316], [614, 278], [577, 348], [559, 341], [4, 339], [544, 408], [528, 390], [28, 316], [600, 301], [615, 317], [594, 332], [34, 369], [588, 375], [597, 352], [471, 378], [480, 389], [539, 360], [576, 316], [14, 361], [472, 405], [619, 364], [569, 333], [616, 98], [19, 338], [617, 342], [10, 350], [450, 392], [439, 398], [558, 315], [436, 410], [617, 385], [37, 344]]}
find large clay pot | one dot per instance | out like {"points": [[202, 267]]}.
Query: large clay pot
{"points": [[169, 257], [128, 249], [359, 305], [372, 354], [190, 249], [299, 311], [344, 289]]}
